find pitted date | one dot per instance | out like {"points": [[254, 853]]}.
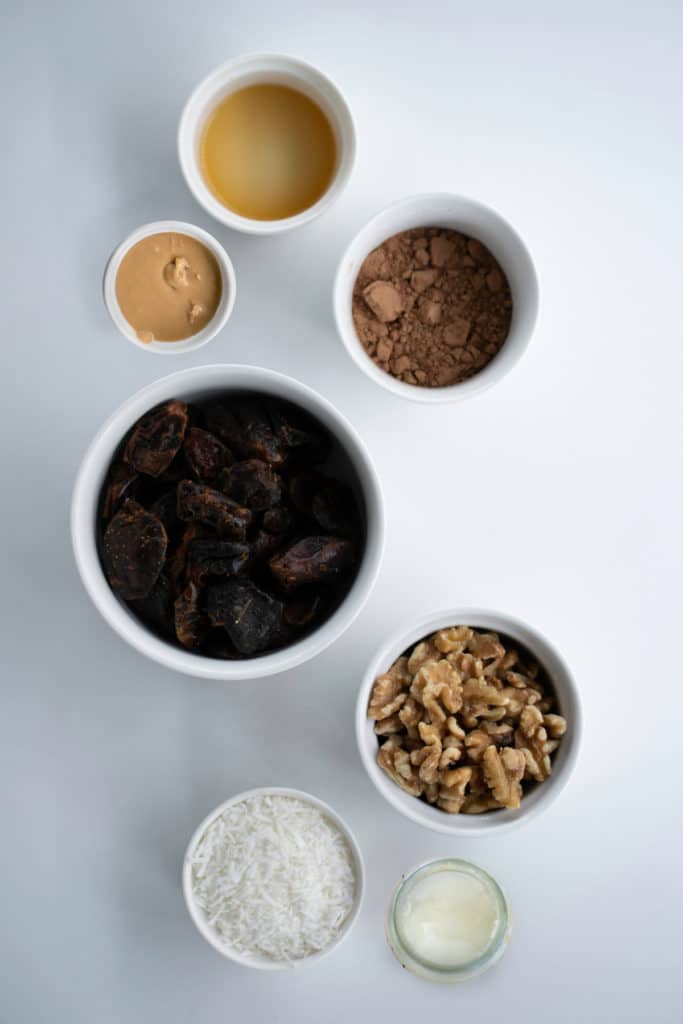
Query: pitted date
{"points": [[312, 560], [156, 438], [133, 551], [213, 508]]}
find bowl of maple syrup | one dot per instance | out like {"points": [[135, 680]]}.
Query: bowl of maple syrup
{"points": [[266, 143]]}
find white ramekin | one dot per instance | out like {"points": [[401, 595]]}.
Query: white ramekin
{"points": [[228, 287], [192, 385], [252, 69], [538, 798], [197, 915], [442, 210]]}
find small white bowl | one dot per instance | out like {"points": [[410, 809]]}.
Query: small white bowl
{"points": [[442, 210], [191, 385], [273, 69], [228, 287], [197, 915], [566, 693]]}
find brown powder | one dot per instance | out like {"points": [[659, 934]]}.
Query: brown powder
{"points": [[431, 306]]}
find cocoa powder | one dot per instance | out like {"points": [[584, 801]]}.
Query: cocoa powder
{"points": [[431, 306]]}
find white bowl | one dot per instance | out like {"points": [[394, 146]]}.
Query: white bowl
{"points": [[442, 210], [274, 69], [194, 384], [538, 798], [228, 287], [197, 915]]}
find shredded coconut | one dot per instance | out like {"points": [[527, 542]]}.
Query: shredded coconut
{"points": [[274, 877]]}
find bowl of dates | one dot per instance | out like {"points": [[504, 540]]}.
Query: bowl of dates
{"points": [[228, 522]]}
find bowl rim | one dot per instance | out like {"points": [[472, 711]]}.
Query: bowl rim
{"points": [[197, 916], [566, 690], [228, 287], [305, 72], [494, 371], [86, 493]]}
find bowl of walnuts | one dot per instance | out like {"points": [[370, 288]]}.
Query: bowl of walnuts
{"points": [[468, 722]]}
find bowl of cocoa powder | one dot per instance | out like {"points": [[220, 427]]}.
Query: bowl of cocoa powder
{"points": [[436, 298]]}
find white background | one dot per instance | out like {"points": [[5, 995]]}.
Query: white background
{"points": [[555, 496]]}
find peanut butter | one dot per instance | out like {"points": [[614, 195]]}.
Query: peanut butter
{"points": [[168, 287]]}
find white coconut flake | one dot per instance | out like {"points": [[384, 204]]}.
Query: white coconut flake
{"points": [[274, 877]]}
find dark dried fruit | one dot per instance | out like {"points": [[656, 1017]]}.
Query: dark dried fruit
{"points": [[156, 438], [251, 617], [305, 442], [334, 507], [165, 508], [259, 440], [303, 610], [122, 482], [253, 484], [197, 502], [263, 545], [246, 430], [278, 519], [313, 560], [157, 608], [223, 493], [330, 502], [205, 454], [219, 645], [133, 551], [178, 559], [207, 556], [190, 622]]}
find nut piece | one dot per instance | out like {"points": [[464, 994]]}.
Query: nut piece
{"points": [[424, 651], [532, 739], [480, 804], [396, 763], [503, 773], [389, 691], [452, 797], [437, 686], [454, 639]]}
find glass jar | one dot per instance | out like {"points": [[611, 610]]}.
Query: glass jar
{"points": [[410, 958]]}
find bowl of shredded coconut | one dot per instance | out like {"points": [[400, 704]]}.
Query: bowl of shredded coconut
{"points": [[273, 878]]}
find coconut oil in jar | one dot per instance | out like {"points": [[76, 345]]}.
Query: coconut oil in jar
{"points": [[448, 921]]}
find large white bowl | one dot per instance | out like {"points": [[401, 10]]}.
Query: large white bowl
{"points": [[442, 210], [271, 69], [566, 693], [192, 385], [199, 918]]}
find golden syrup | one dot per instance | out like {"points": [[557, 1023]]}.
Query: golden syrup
{"points": [[268, 152]]}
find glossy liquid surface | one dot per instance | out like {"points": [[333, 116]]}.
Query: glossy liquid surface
{"points": [[268, 152], [447, 918]]}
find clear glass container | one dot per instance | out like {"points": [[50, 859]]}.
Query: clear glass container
{"points": [[410, 957]]}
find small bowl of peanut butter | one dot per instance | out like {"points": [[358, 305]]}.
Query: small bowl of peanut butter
{"points": [[169, 287]]}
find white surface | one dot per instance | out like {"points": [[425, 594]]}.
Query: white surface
{"points": [[540, 798], [556, 495], [193, 384], [462, 214]]}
